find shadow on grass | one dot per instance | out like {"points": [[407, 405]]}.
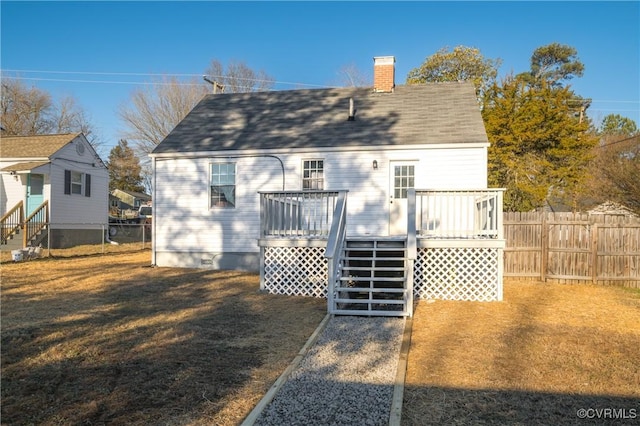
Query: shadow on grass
{"points": [[451, 406], [153, 350]]}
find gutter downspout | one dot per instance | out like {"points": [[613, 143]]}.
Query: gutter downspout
{"points": [[155, 207]]}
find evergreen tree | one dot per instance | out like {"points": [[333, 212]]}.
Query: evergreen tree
{"points": [[539, 146], [617, 125], [124, 168]]}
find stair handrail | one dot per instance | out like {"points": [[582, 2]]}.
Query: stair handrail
{"points": [[412, 250], [334, 243], [411, 224], [11, 222], [35, 222]]}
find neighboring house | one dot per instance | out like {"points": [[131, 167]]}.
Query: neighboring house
{"points": [[611, 208], [259, 181], [128, 200], [57, 182]]}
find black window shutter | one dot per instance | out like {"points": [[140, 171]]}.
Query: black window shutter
{"points": [[67, 181], [87, 185]]}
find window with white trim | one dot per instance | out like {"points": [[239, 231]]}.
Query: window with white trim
{"points": [[223, 185], [76, 182], [313, 175]]}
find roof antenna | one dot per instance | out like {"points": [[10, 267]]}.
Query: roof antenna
{"points": [[215, 84]]}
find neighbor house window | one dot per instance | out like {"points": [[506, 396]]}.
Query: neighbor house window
{"points": [[223, 185], [313, 175], [77, 183]]}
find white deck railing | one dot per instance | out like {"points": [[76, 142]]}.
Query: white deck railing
{"points": [[297, 213], [459, 214], [334, 249]]}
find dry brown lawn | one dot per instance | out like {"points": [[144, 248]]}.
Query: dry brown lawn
{"points": [[92, 338], [108, 339], [538, 357]]}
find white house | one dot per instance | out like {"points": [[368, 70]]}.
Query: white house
{"points": [[52, 185], [258, 181]]}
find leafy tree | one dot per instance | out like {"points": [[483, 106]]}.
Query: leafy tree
{"points": [[615, 124], [27, 111], [552, 64], [539, 148], [461, 63], [124, 168]]}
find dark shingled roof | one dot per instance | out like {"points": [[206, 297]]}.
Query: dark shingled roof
{"points": [[433, 113]]}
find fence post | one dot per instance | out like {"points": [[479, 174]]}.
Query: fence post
{"points": [[594, 252], [544, 249]]}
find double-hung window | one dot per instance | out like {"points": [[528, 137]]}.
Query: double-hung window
{"points": [[77, 183], [313, 175], [223, 185]]}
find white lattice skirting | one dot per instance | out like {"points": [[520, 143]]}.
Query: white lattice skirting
{"points": [[458, 274], [470, 274], [295, 271]]}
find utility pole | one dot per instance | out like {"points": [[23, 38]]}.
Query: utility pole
{"points": [[215, 85]]}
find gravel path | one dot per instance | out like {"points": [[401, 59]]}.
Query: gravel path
{"points": [[347, 377]]}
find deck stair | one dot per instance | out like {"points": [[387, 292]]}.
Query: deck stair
{"points": [[373, 279]]}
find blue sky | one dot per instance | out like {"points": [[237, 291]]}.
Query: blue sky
{"points": [[99, 52]]}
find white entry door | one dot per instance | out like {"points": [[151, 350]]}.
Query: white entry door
{"points": [[401, 178]]}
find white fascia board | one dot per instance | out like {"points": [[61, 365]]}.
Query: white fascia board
{"points": [[249, 152]]}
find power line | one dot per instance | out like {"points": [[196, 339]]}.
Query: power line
{"points": [[140, 74], [620, 141], [255, 80]]}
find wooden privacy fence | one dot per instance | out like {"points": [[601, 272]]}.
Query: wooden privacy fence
{"points": [[567, 247]]}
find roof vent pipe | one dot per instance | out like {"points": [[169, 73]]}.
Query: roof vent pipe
{"points": [[352, 110]]}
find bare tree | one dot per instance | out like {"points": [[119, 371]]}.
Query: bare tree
{"points": [[350, 76], [153, 112], [615, 172], [238, 77], [156, 109], [27, 111]]}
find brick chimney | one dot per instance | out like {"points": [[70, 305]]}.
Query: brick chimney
{"points": [[384, 73]]}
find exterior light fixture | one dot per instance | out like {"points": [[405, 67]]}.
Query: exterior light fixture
{"points": [[375, 164]]}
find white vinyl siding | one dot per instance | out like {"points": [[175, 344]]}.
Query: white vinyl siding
{"points": [[89, 208], [186, 223]]}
